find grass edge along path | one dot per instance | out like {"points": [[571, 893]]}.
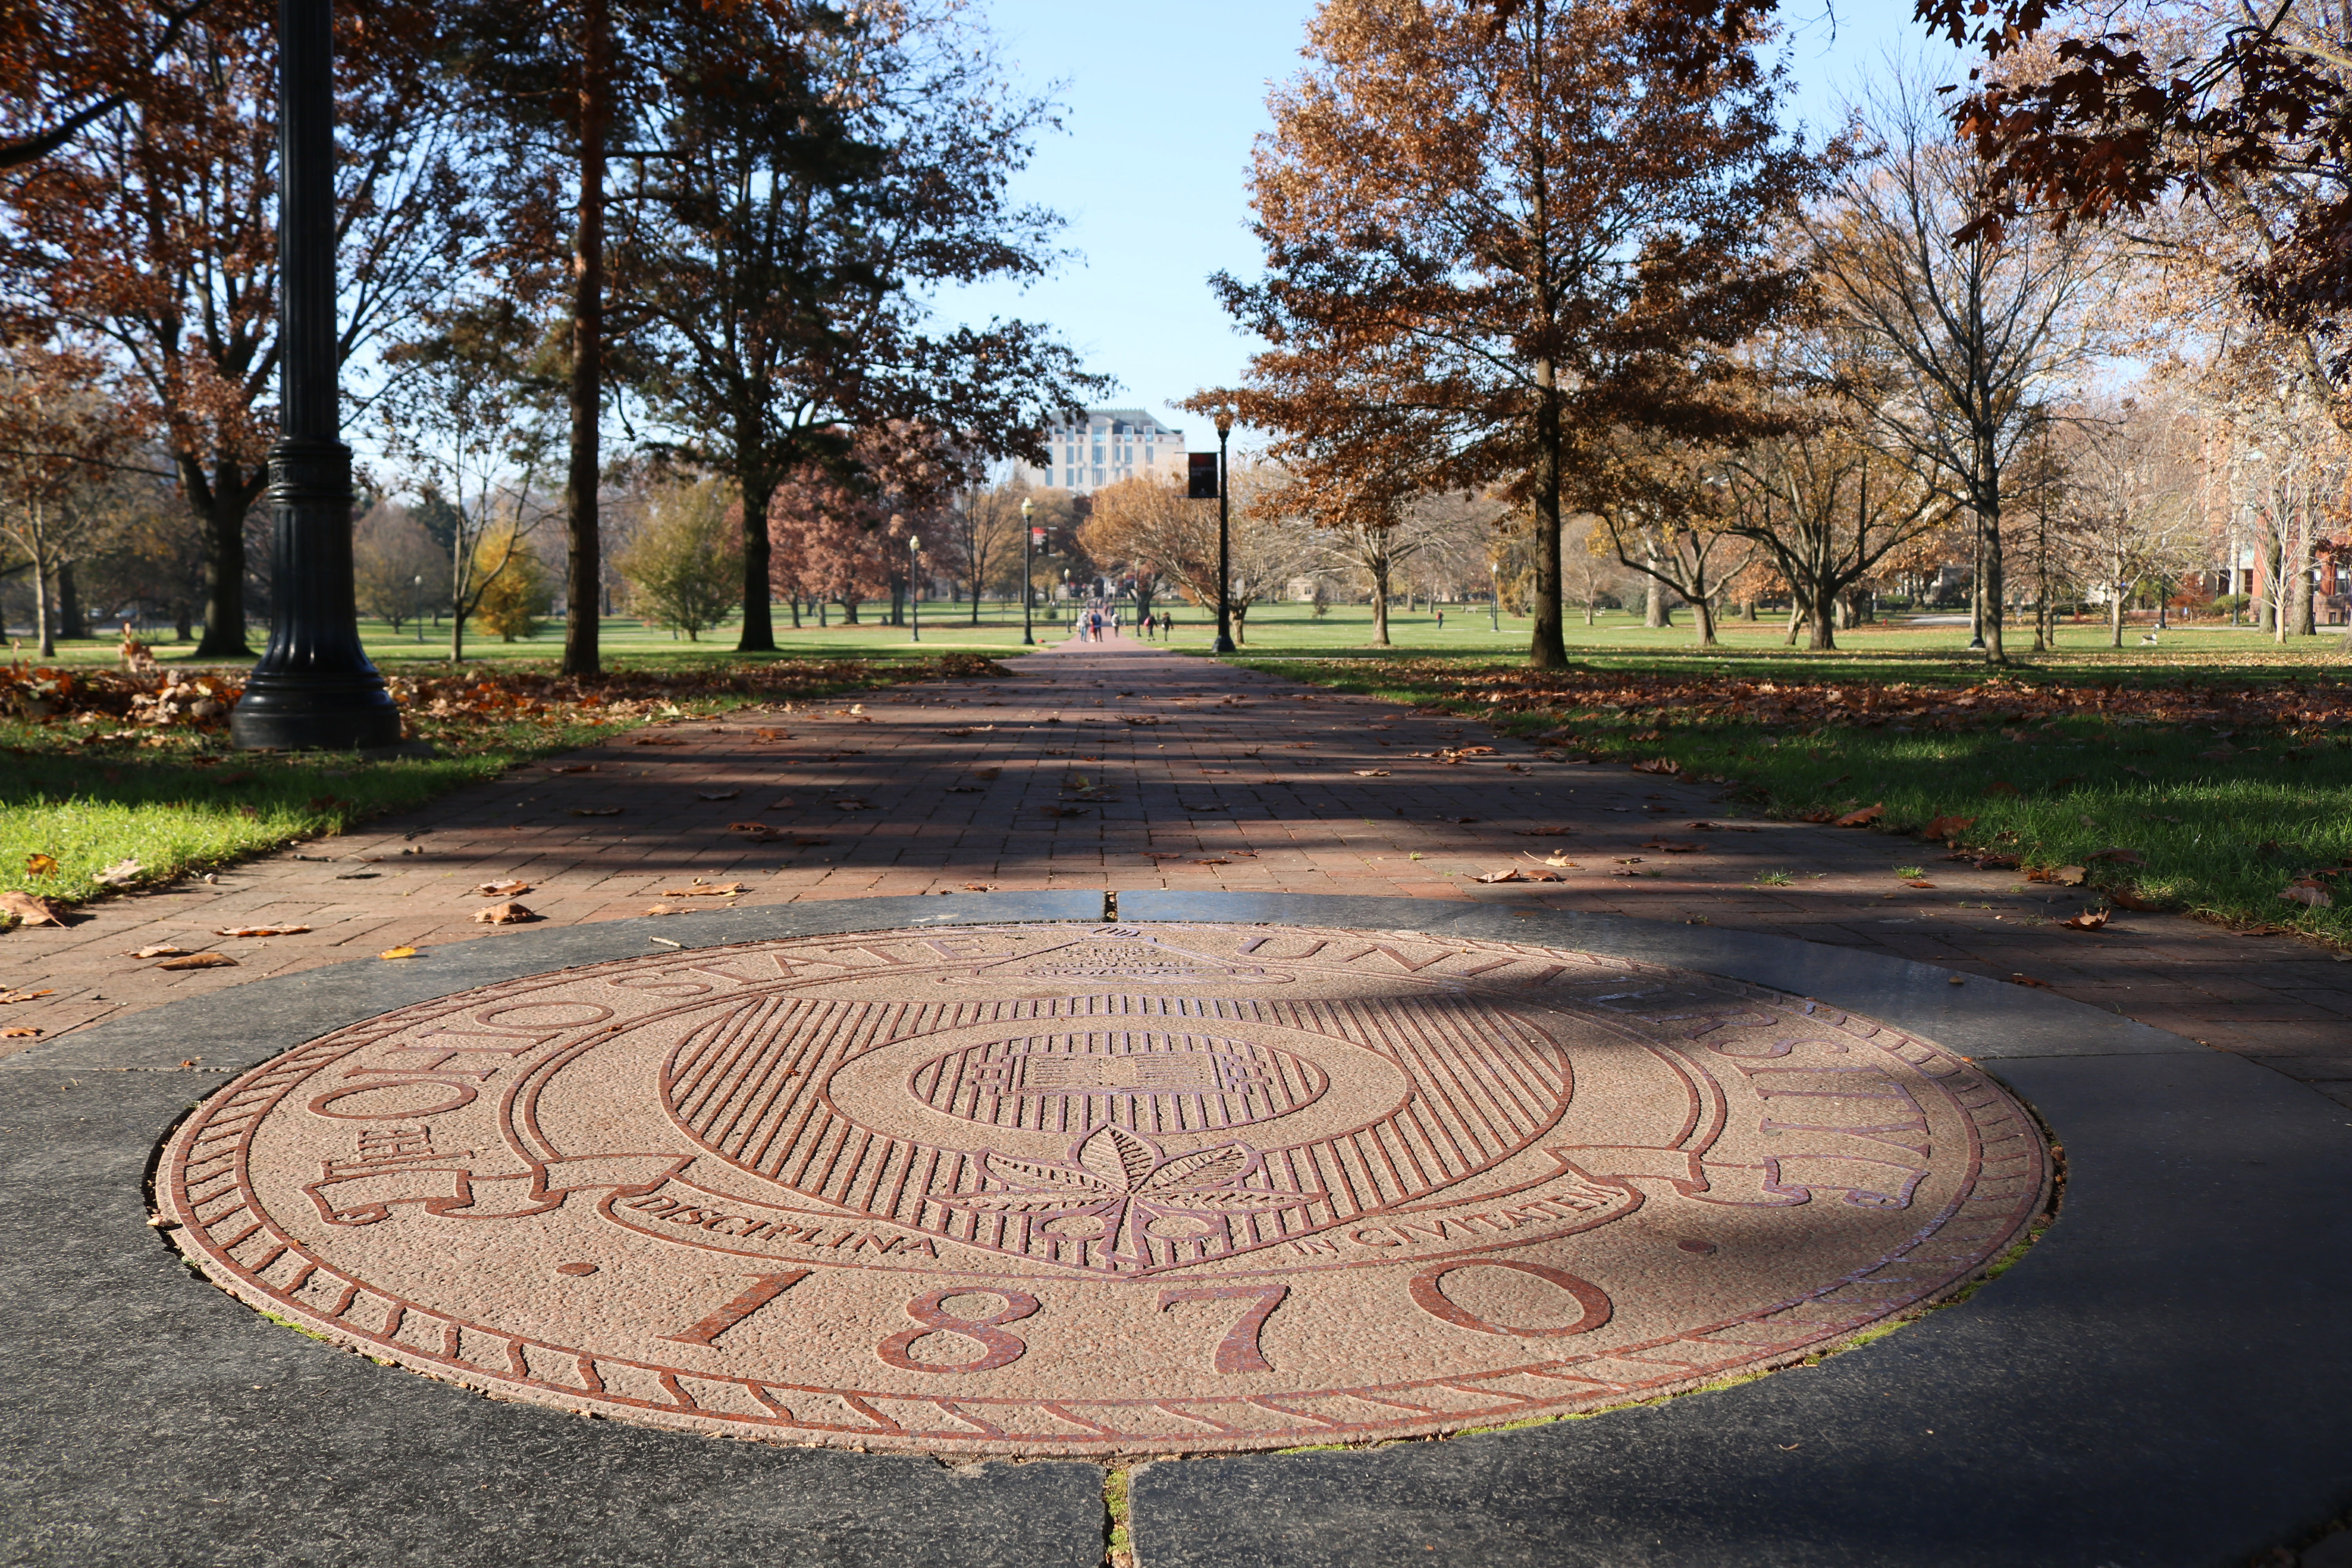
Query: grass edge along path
{"points": [[2228, 801], [89, 807]]}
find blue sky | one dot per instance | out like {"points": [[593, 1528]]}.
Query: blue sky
{"points": [[1161, 108]]}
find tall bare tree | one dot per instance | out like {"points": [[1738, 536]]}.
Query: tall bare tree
{"points": [[1955, 338]]}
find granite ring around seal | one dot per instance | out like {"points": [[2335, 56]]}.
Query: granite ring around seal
{"points": [[1099, 1189]]}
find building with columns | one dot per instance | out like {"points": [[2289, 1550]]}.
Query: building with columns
{"points": [[1105, 446]]}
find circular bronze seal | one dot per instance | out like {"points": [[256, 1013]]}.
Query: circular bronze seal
{"points": [[1101, 1189]]}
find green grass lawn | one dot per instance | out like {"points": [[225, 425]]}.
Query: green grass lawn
{"points": [[2218, 761], [82, 793], [1893, 649]]}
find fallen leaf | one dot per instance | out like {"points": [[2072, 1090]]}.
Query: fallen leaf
{"points": [[23, 995], [1867, 814], [511, 887], [398, 952], [595, 811], [1817, 816], [704, 890], [2221, 753], [657, 741], [200, 961], [120, 873], [1547, 832], [2133, 901], [809, 843], [159, 950], [2002, 787], [1371, 772], [1064, 811], [2089, 920], [1917, 882], [1674, 846], [1658, 765], [953, 789], [33, 910], [1507, 874], [2310, 893], [572, 768], [668, 910], [262, 931], [2141, 772], [1212, 862], [725, 795], [1556, 857], [978, 887], [21, 1032], [40, 865], [505, 914], [1945, 826], [852, 804], [787, 803], [2029, 980], [2122, 857]]}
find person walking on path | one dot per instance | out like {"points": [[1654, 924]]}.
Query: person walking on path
{"points": [[1441, 617]]}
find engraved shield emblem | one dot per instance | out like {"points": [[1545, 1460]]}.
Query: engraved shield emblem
{"points": [[1117, 1133]]}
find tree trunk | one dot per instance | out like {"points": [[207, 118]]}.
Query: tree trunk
{"points": [[221, 502], [1994, 582], [1547, 643], [72, 626], [582, 571], [182, 621], [2116, 611], [1703, 619], [1379, 607], [1654, 613], [1822, 624], [850, 610]]}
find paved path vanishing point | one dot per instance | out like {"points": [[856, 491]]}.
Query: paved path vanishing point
{"points": [[1196, 775]]}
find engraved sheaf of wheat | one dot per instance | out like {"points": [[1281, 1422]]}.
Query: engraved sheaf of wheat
{"points": [[1124, 1177]]}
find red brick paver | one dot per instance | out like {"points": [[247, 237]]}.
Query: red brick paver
{"points": [[1195, 776]]}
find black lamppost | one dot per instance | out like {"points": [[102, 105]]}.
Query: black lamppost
{"points": [[314, 688], [914, 585], [1224, 537], [1028, 543]]}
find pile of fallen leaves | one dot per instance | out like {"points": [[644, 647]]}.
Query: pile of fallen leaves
{"points": [[450, 705], [1776, 701]]}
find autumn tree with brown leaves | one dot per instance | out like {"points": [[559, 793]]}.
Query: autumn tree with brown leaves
{"points": [[59, 439], [810, 179], [154, 231], [1528, 228]]}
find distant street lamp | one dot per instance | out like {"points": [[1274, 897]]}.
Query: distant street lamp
{"points": [[1028, 545], [314, 688], [1494, 593], [914, 585], [1224, 534]]}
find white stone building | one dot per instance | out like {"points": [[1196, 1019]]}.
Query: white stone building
{"points": [[1107, 446]]}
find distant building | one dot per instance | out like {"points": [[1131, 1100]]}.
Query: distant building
{"points": [[1104, 446]]}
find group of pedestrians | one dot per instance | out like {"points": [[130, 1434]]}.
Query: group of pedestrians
{"points": [[1097, 622]]}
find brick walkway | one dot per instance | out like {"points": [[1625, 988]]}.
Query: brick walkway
{"points": [[1194, 775]]}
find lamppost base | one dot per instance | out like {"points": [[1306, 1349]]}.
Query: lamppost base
{"points": [[1225, 645], [291, 711]]}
